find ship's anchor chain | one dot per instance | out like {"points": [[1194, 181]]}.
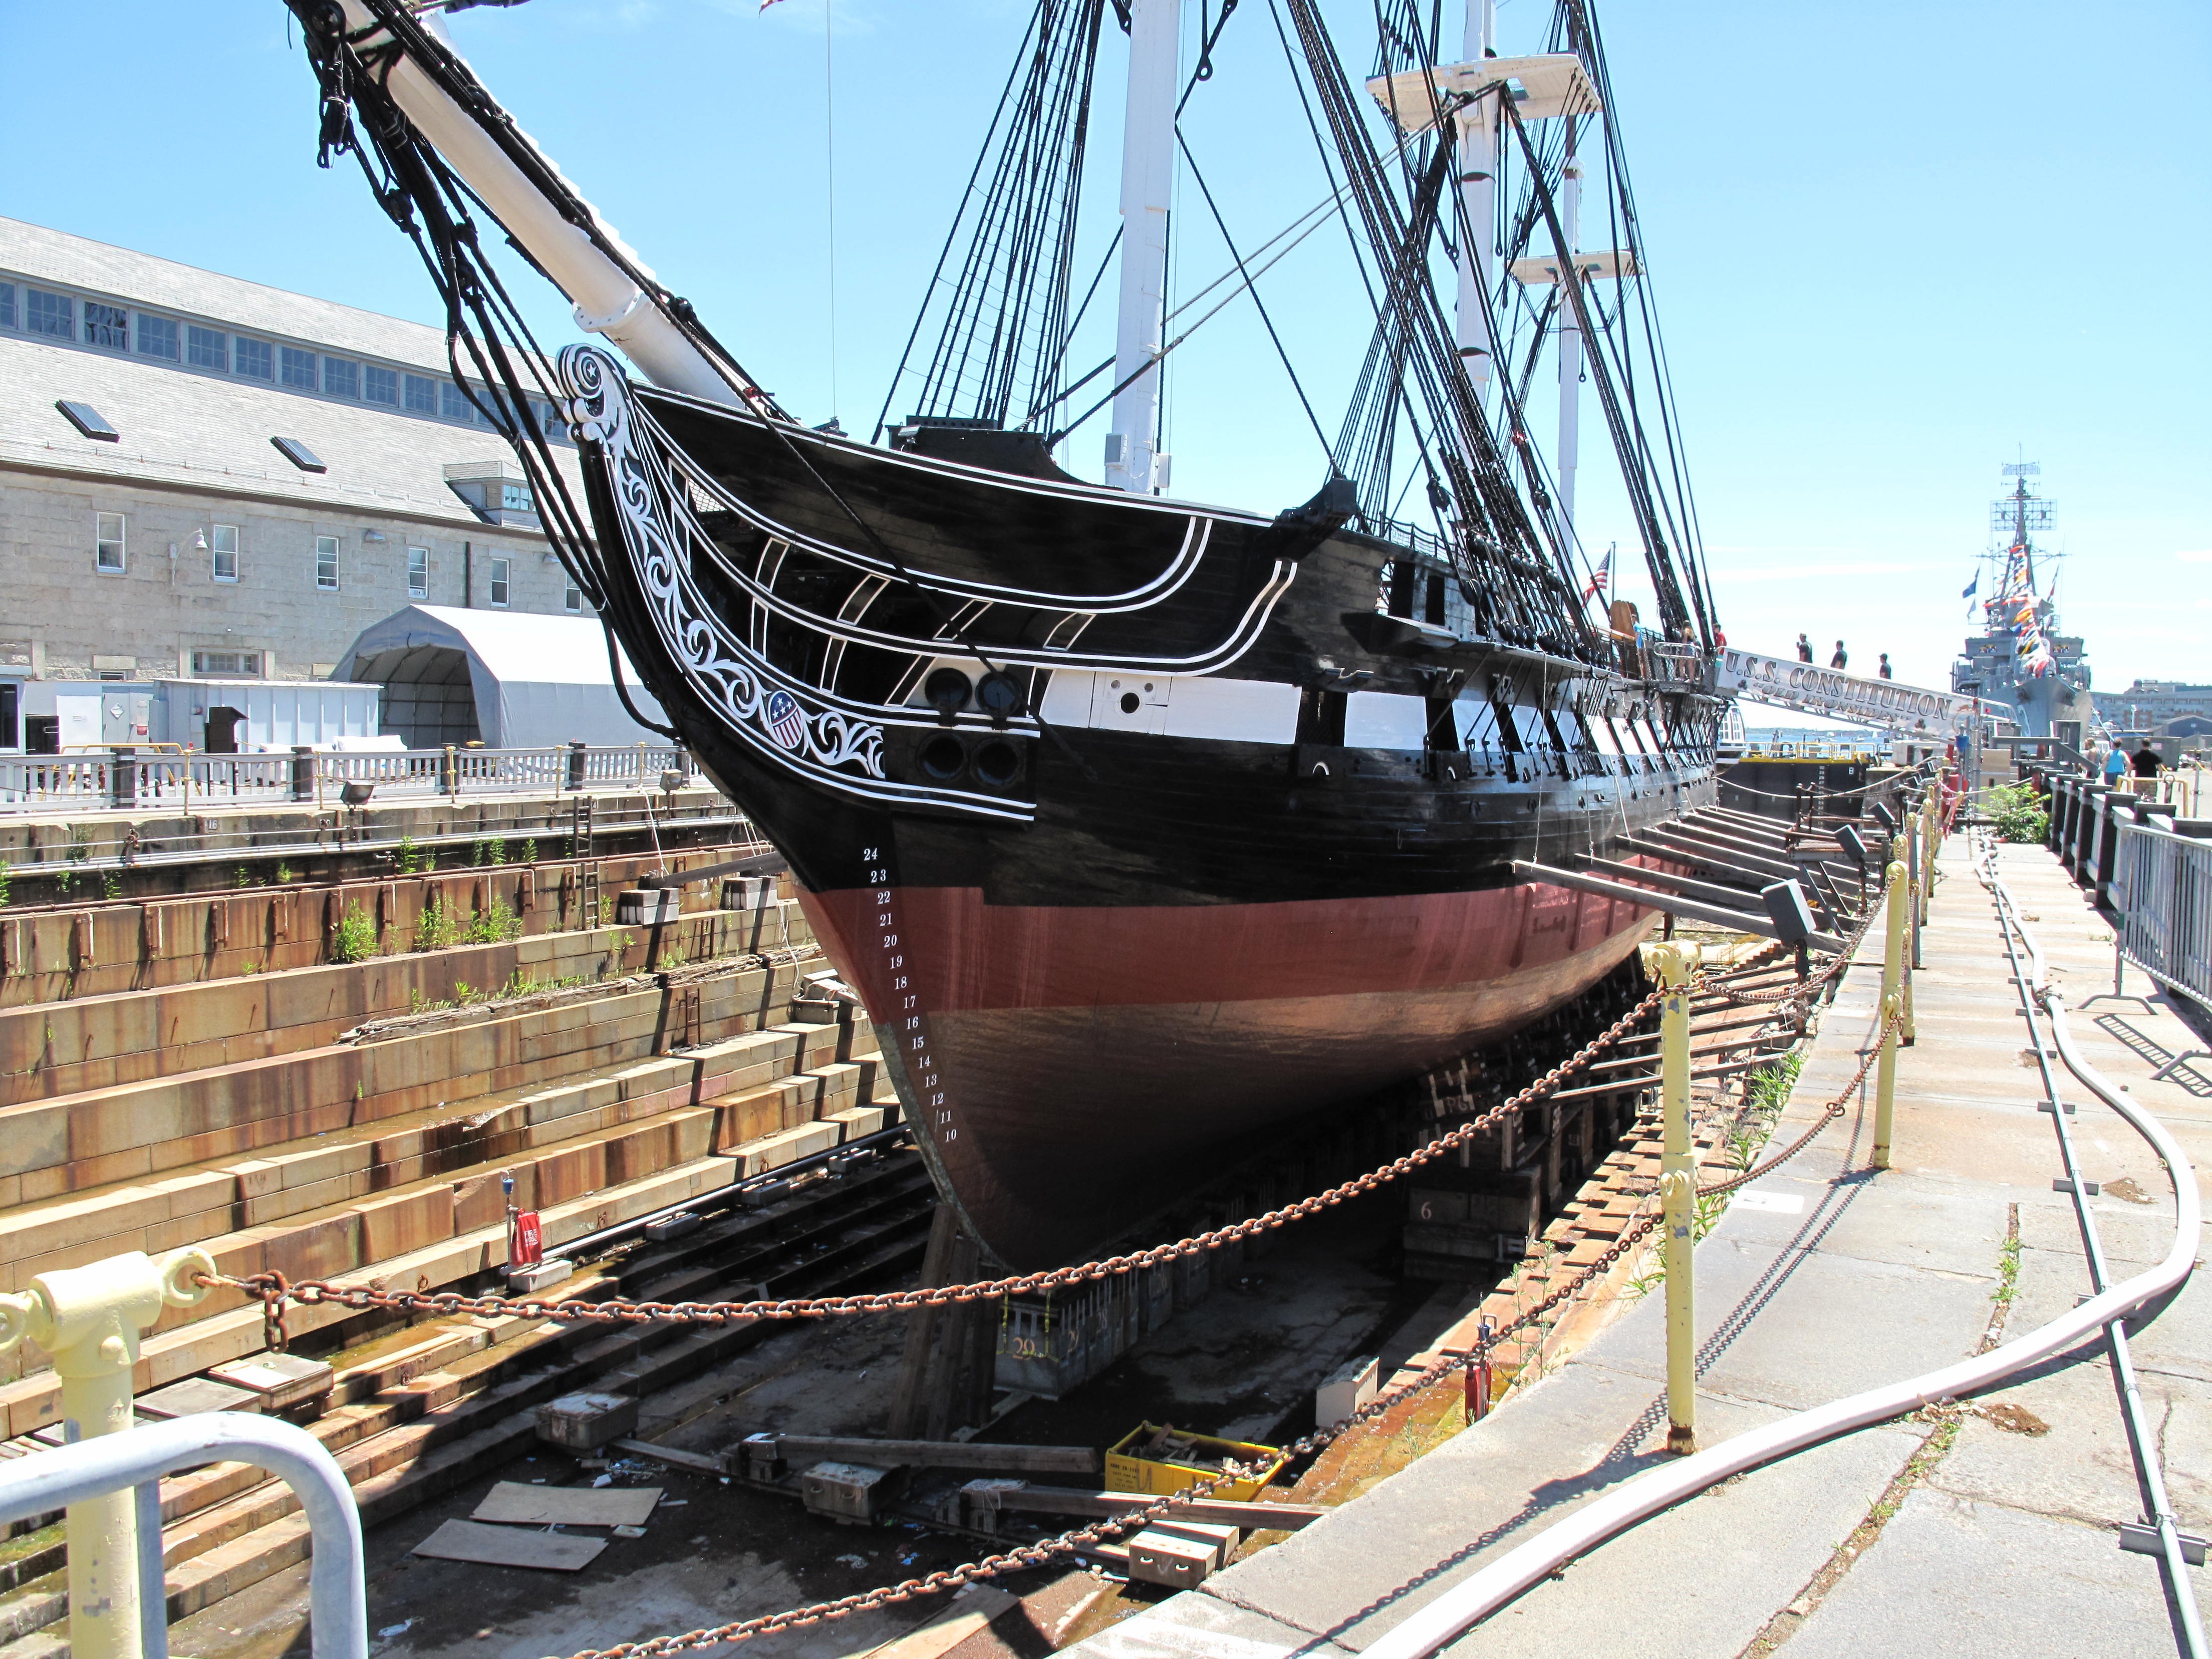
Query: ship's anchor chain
{"points": [[1077, 1539], [275, 1291]]}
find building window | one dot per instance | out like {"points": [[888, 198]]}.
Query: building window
{"points": [[296, 368], [381, 386], [227, 664], [7, 308], [340, 378], [326, 563], [157, 337], [222, 553], [418, 573], [256, 360], [108, 543], [207, 348], [454, 403], [107, 326], [572, 599], [422, 395], [49, 314], [499, 582], [515, 498]]}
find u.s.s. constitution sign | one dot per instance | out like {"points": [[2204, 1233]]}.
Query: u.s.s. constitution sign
{"points": [[1886, 704]]}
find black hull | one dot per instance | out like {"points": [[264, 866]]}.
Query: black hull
{"points": [[1098, 944]]}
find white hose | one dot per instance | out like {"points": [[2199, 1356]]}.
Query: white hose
{"points": [[1465, 1604]]}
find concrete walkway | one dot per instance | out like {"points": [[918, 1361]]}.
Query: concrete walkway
{"points": [[1993, 1529]]}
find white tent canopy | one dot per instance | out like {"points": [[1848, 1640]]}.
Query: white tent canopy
{"points": [[506, 678]]}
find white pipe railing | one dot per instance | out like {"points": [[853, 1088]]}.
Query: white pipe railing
{"points": [[1465, 1604], [137, 1459], [186, 782]]}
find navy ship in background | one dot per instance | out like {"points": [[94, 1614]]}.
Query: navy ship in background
{"points": [[2035, 676], [1138, 826]]}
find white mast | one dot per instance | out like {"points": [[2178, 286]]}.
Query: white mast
{"points": [[606, 300], [1477, 151], [1570, 353], [1147, 179]]}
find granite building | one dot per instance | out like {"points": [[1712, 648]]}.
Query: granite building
{"points": [[201, 476]]}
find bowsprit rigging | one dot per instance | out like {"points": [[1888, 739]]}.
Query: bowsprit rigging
{"points": [[1138, 824]]}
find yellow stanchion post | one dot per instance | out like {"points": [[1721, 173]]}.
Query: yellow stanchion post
{"points": [[1678, 1192], [90, 1320], [1893, 982]]}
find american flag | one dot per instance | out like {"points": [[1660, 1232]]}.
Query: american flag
{"points": [[786, 723], [1600, 577]]}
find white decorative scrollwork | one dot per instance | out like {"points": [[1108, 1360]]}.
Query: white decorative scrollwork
{"points": [[733, 680]]}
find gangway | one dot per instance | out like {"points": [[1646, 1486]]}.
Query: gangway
{"points": [[1887, 705]]}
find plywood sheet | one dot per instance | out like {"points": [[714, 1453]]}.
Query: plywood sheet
{"points": [[571, 1506], [510, 1546]]}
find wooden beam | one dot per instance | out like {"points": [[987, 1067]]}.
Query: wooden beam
{"points": [[1754, 857], [1073, 1500], [1686, 854], [936, 1454], [1742, 921], [1702, 890]]}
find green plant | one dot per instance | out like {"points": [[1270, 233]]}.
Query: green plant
{"points": [[244, 876], [354, 940], [464, 992], [606, 911], [284, 874], [497, 849], [112, 885], [530, 850], [476, 846], [2016, 812], [413, 860], [494, 926], [434, 930], [7, 877]]}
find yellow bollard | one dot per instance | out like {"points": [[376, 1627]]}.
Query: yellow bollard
{"points": [[1892, 992], [90, 1320], [1678, 1192]]}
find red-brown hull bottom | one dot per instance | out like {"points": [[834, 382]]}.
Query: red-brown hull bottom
{"points": [[1072, 1070]]}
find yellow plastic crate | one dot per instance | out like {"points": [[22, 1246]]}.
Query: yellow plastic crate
{"points": [[1127, 1471]]}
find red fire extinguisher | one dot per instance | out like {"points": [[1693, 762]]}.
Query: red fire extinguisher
{"points": [[526, 1238]]}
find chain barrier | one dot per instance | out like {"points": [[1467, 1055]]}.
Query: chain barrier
{"points": [[275, 1291], [1078, 1538]]}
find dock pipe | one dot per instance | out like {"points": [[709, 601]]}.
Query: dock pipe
{"points": [[1467, 1604]]}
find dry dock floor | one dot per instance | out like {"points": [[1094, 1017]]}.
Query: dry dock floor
{"points": [[1990, 1529]]}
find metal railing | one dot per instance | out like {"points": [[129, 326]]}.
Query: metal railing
{"points": [[131, 780], [2161, 887], [134, 1460]]}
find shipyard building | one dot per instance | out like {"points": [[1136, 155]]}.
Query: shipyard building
{"points": [[203, 478]]}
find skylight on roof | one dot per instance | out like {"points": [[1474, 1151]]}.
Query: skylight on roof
{"points": [[87, 420], [299, 454]]}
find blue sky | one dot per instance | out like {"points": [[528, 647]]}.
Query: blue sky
{"points": [[1893, 246]]}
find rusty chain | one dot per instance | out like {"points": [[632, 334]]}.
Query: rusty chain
{"points": [[275, 1291], [1077, 1539]]}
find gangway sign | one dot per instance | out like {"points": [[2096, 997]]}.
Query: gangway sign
{"points": [[1886, 705]]}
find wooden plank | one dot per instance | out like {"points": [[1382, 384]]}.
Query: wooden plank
{"points": [[798, 1449], [1073, 1500], [510, 1546], [513, 1502], [974, 1609]]}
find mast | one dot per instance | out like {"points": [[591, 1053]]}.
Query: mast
{"points": [[607, 300], [1570, 353], [1478, 185], [1147, 180]]}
